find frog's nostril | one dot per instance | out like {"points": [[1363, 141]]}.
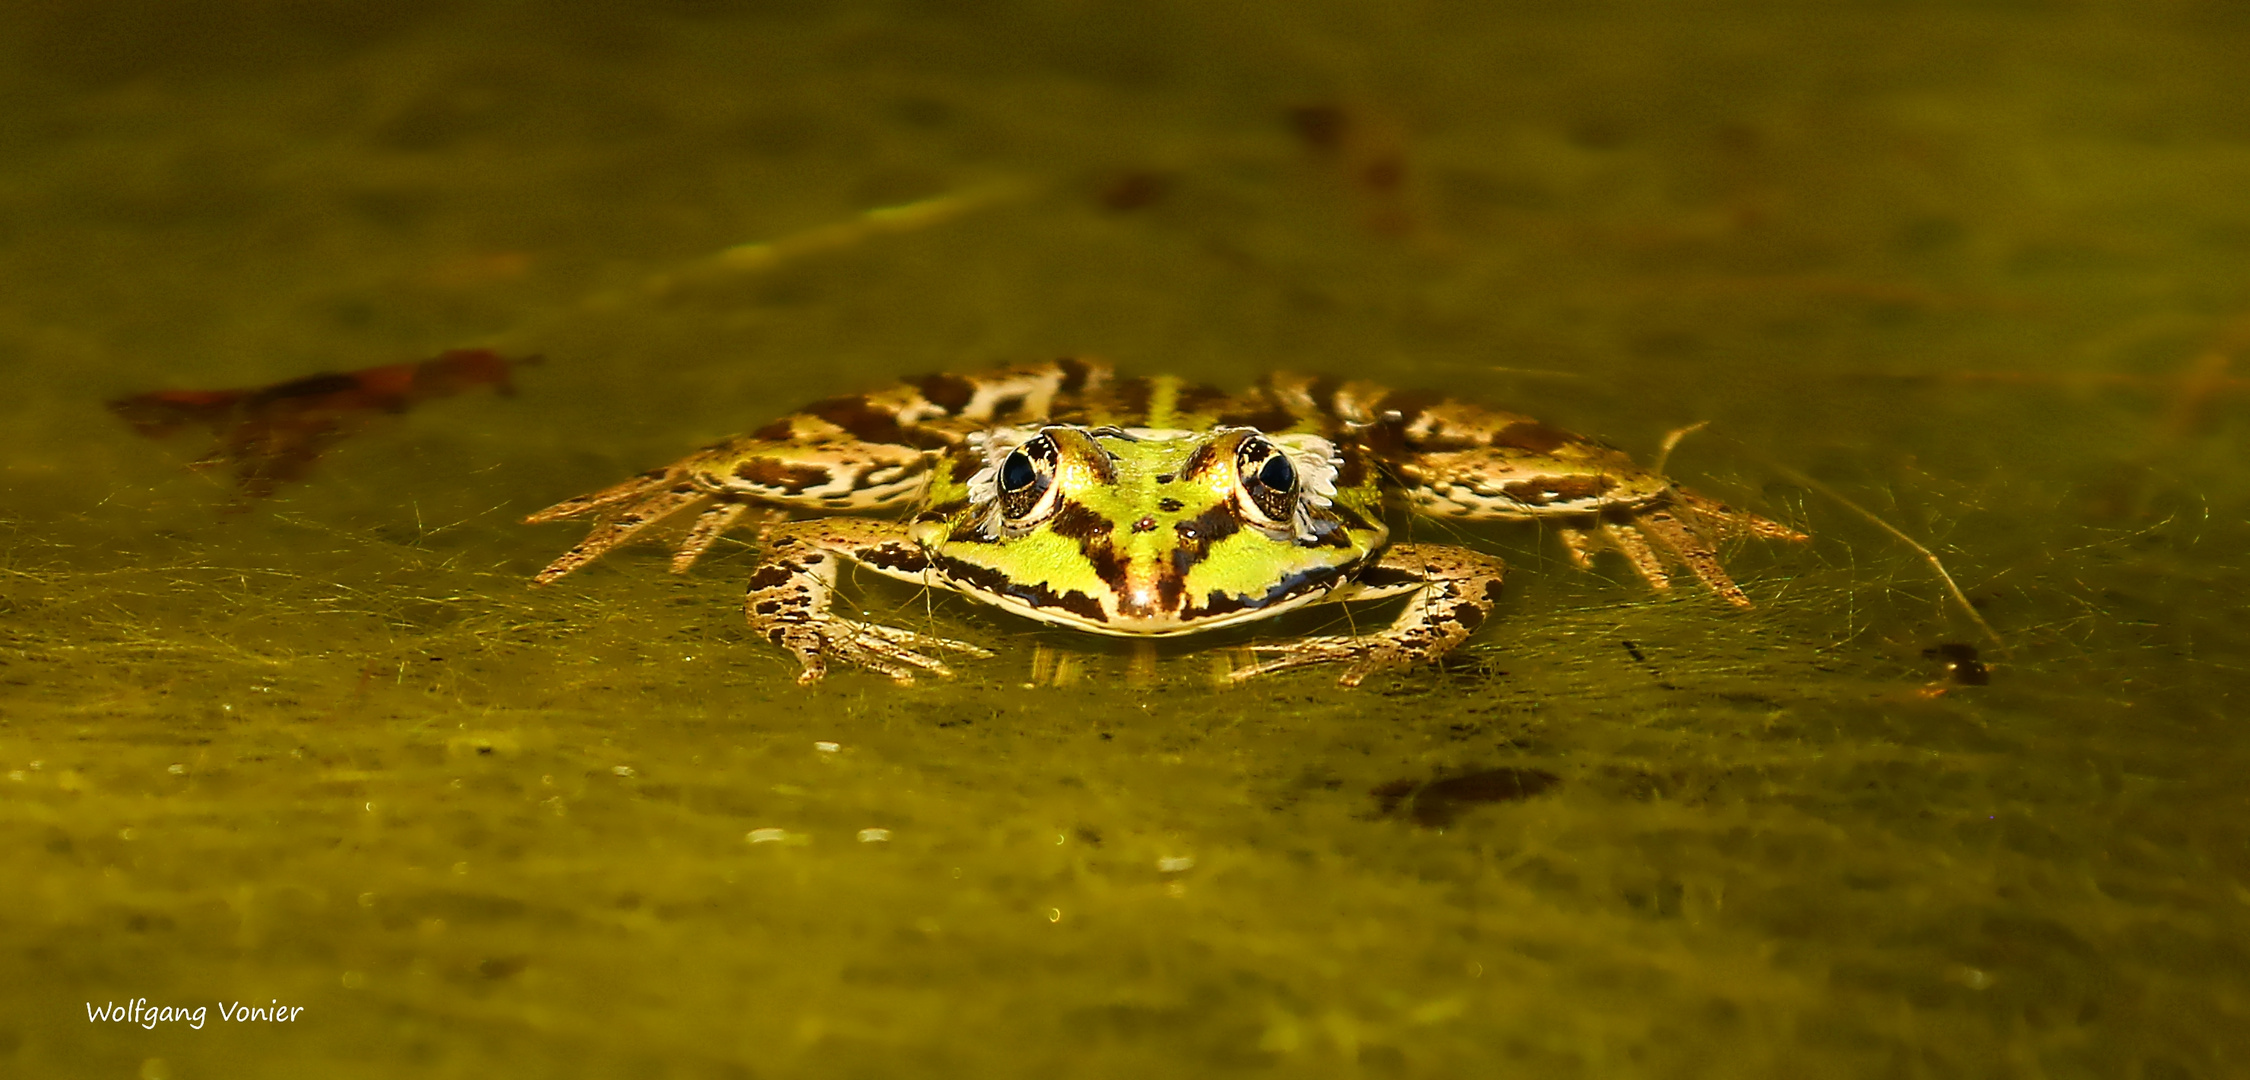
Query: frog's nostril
{"points": [[1145, 524]]}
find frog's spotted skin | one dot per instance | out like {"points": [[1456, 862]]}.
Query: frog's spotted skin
{"points": [[1149, 507]]}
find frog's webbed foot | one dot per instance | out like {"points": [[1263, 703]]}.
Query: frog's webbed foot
{"points": [[886, 650], [621, 512], [789, 597], [1452, 590], [1685, 531], [624, 511]]}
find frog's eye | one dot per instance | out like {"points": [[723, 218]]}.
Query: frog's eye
{"points": [[1268, 479], [1025, 477]]}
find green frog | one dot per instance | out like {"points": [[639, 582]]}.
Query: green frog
{"points": [[1148, 507]]}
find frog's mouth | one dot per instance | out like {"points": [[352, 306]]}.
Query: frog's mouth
{"points": [[1164, 609]]}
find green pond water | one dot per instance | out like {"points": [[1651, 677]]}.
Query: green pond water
{"points": [[1979, 270]]}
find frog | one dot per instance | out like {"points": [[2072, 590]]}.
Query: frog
{"points": [[1149, 507]]}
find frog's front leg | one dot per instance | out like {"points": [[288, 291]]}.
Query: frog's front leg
{"points": [[789, 597], [1451, 592]]}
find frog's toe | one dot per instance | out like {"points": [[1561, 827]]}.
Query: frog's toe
{"points": [[709, 526], [1726, 520], [899, 666], [1580, 545], [1694, 550], [916, 640], [889, 661], [1634, 545], [892, 652], [639, 487], [614, 531], [815, 669]]}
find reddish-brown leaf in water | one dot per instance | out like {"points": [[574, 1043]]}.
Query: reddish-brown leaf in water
{"points": [[272, 434]]}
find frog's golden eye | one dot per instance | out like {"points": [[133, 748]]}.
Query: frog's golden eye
{"points": [[1025, 477], [1268, 479]]}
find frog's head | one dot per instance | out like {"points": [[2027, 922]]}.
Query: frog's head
{"points": [[1149, 532]]}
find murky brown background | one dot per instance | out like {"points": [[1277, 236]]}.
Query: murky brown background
{"points": [[1978, 268]]}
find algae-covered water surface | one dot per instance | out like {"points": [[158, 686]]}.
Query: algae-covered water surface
{"points": [[1956, 288]]}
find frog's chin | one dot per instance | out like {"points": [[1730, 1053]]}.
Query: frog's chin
{"points": [[1149, 622], [1155, 624]]}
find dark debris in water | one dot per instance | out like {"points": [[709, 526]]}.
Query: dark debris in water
{"points": [[1133, 189], [1368, 151], [1962, 665], [1438, 803]]}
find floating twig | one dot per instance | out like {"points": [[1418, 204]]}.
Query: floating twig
{"points": [[1929, 556]]}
